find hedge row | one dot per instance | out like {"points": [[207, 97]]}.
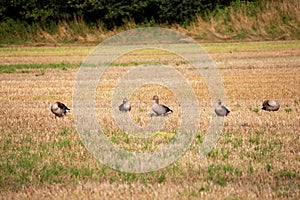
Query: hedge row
{"points": [[109, 12]]}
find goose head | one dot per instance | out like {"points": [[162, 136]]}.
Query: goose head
{"points": [[155, 98]]}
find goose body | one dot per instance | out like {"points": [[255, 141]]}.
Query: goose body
{"points": [[221, 110], [125, 106], [160, 109], [59, 109], [270, 105]]}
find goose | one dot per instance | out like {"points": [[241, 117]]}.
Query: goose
{"points": [[270, 105], [221, 110], [59, 109], [160, 109], [125, 106]]}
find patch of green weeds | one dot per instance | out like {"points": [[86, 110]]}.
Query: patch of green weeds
{"points": [[51, 173], [254, 140], [65, 143], [199, 138], [251, 168], [237, 142], [263, 149], [113, 179], [13, 67], [7, 69], [128, 177], [141, 109], [161, 178], [65, 131], [222, 174], [288, 110], [181, 63], [237, 105], [287, 174], [269, 167], [81, 172], [226, 137], [213, 153], [138, 119], [225, 153], [114, 139]]}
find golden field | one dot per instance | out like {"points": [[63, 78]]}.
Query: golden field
{"points": [[257, 155]]}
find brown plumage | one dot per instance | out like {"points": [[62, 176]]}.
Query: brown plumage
{"points": [[220, 110], [270, 105], [159, 109], [59, 109], [125, 106]]}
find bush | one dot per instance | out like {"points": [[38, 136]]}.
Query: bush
{"points": [[111, 12]]}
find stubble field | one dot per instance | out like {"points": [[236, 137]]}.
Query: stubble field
{"points": [[257, 155]]}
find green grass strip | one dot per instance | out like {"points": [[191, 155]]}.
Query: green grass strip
{"points": [[13, 67]]}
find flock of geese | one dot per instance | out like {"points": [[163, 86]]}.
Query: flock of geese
{"points": [[59, 109]]}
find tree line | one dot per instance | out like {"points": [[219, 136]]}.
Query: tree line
{"points": [[109, 12]]}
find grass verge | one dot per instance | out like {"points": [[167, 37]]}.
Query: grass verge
{"points": [[14, 67]]}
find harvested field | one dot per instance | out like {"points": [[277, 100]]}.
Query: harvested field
{"points": [[257, 155]]}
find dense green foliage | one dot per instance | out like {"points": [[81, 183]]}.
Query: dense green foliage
{"points": [[91, 21], [109, 12]]}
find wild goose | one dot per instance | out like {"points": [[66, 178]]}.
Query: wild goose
{"points": [[270, 105], [125, 106], [159, 109], [59, 109], [220, 110]]}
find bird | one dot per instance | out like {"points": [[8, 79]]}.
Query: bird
{"points": [[159, 109], [221, 110], [59, 109], [125, 106], [270, 105]]}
